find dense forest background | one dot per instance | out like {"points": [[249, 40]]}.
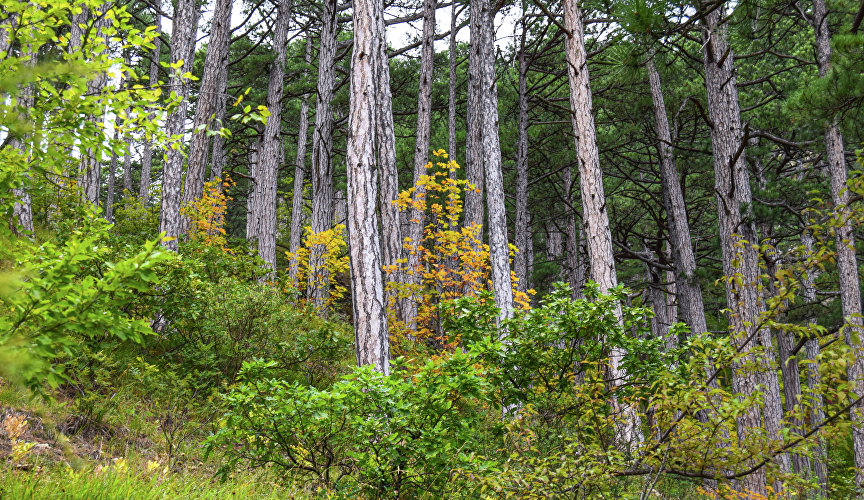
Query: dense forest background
{"points": [[532, 249]]}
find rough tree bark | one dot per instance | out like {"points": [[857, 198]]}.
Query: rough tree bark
{"points": [[847, 266], [473, 207], [554, 248], [389, 176], [520, 265], [529, 253], [269, 155], [573, 269], [299, 175], [217, 157], [77, 29], [421, 155], [785, 340], [687, 288], [7, 25], [147, 153], [734, 200], [791, 382], [499, 250], [451, 98], [182, 49], [252, 204], [209, 98], [597, 232], [657, 298], [322, 149], [367, 281]]}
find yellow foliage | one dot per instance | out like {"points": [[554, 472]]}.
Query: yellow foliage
{"points": [[334, 255], [453, 259], [725, 492], [16, 426], [207, 214]]}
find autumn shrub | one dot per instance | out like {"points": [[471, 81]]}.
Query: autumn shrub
{"points": [[319, 276], [206, 215], [452, 259]]}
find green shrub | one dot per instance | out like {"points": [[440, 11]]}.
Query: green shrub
{"points": [[66, 294], [211, 329], [407, 433]]}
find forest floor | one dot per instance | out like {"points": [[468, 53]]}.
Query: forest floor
{"points": [[50, 451]]}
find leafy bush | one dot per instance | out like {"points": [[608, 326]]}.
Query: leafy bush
{"points": [[435, 427], [216, 327], [64, 294], [319, 263], [407, 433], [449, 260]]}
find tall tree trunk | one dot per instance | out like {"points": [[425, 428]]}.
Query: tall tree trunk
{"points": [[22, 209], [573, 271], [77, 29], [367, 281], [520, 266], [451, 98], [684, 285], [109, 196], [252, 205], [598, 234], [785, 340], [499, 249], [299, 174], [322, 149], [847, 266], [734, 202], [271, 142], [791, 382], [91, 174], [127, 168], [183, 35], [217, 157], [687, 287], [657, 299], [529, 255], [671, 297], [473, 207], [7, 26], [389, 175], [814, 381], [147, 154], [421, 155], [554, 248], [209, 99]]}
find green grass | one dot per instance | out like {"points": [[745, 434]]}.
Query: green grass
{"points": [[77, 476], [63, 483]]}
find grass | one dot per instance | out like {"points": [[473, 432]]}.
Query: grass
{"points": [[130, 465], [114, 482]]}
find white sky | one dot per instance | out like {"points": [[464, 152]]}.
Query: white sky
{"points": [[398, 35]]}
